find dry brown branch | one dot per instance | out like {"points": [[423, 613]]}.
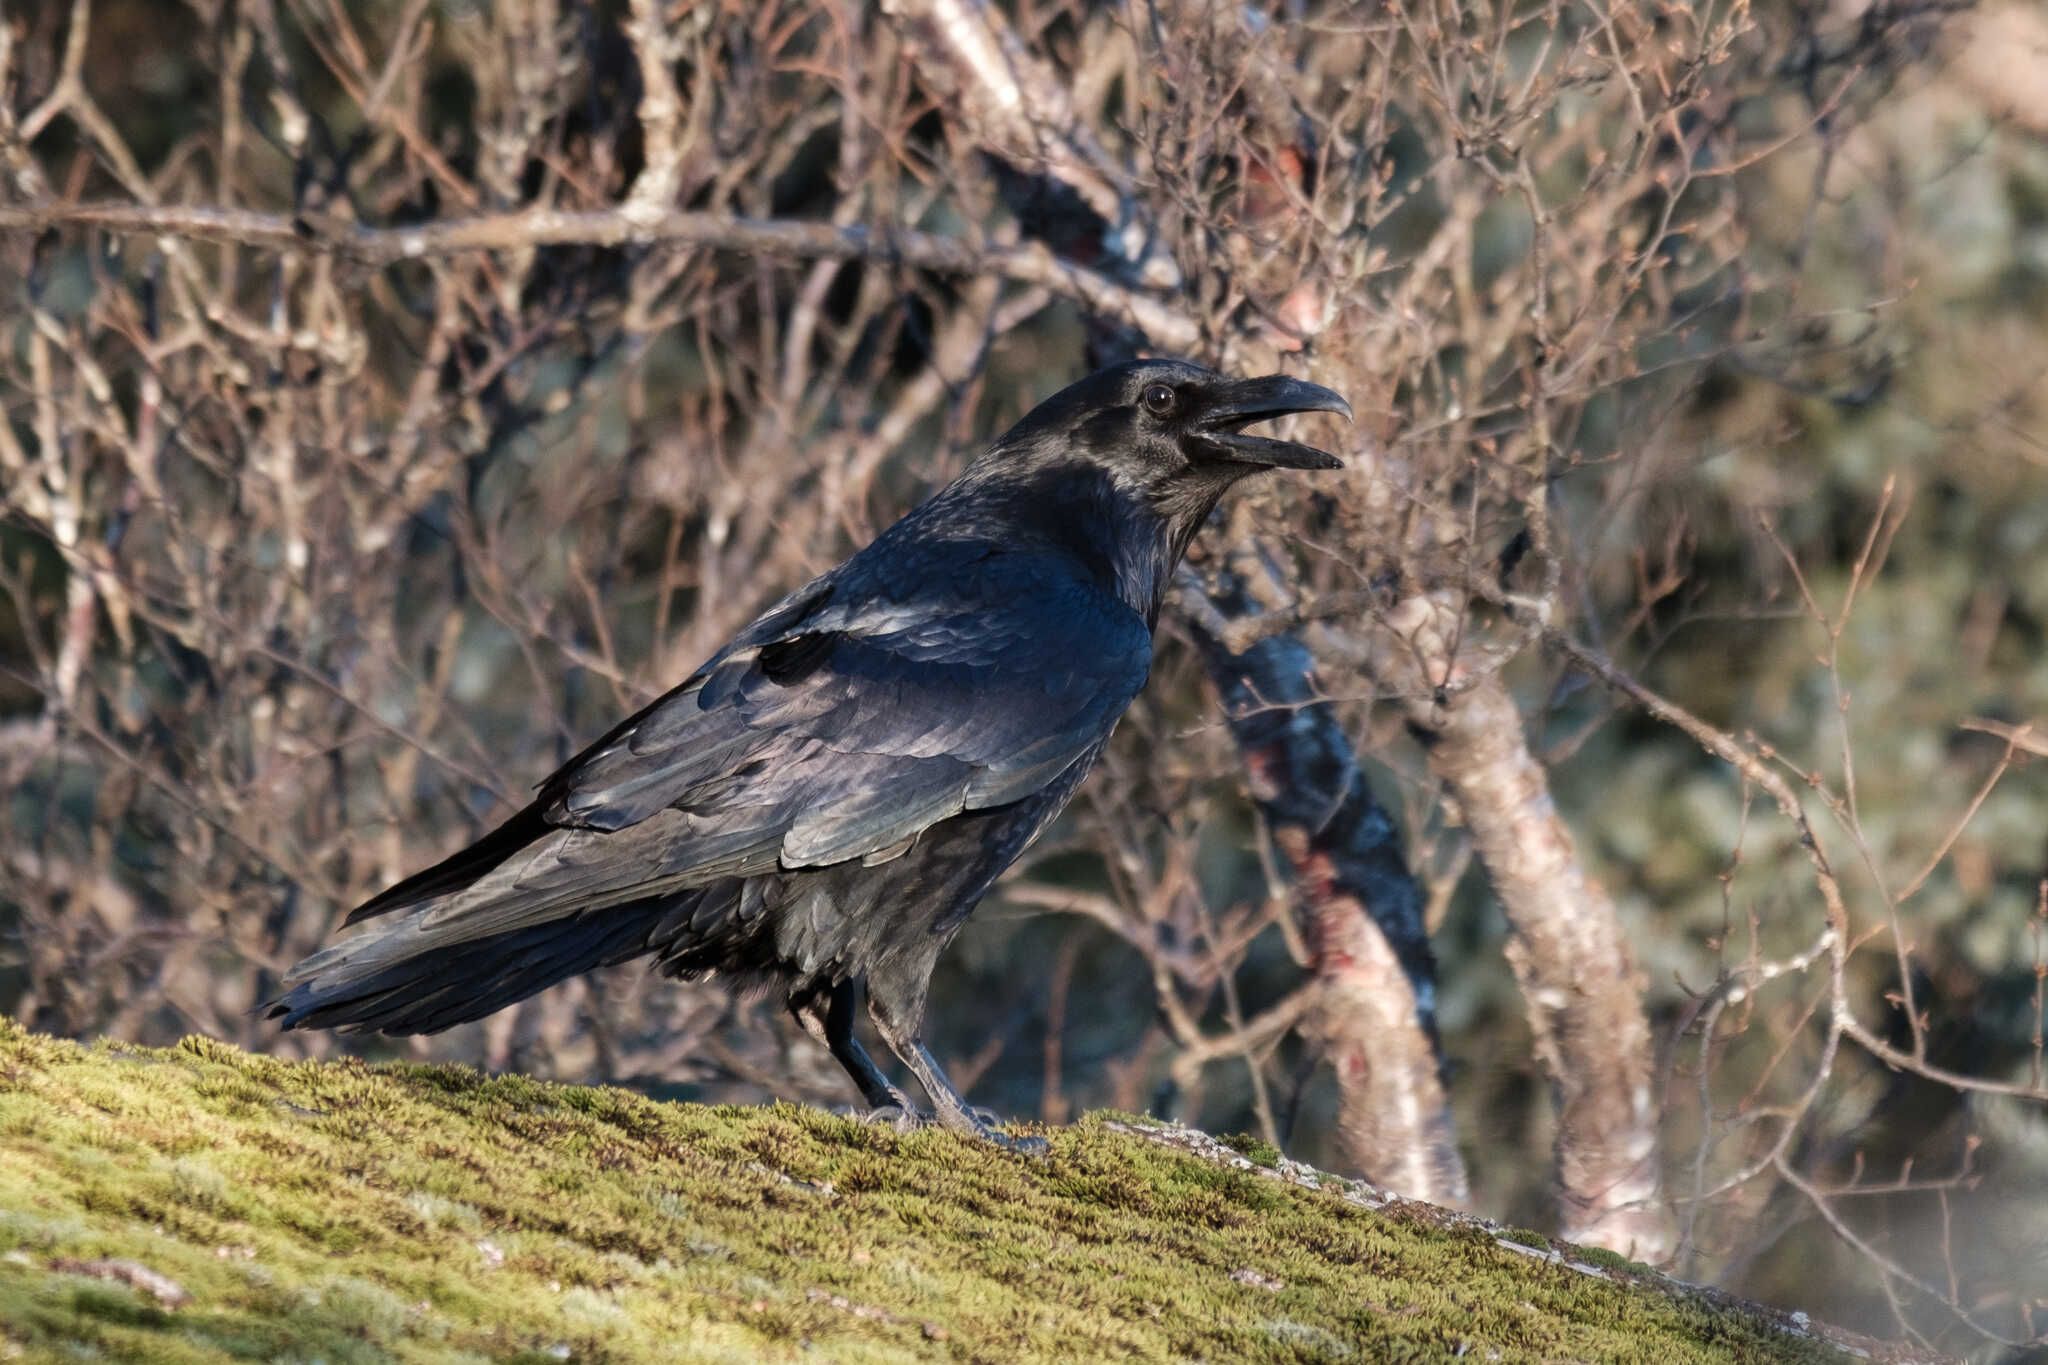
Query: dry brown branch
{"points": [[1027, 263], [1018, 107]]}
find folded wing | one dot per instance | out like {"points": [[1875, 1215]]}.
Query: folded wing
{"points": [[839, 726]]}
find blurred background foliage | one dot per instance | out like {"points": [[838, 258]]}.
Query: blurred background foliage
{"points": [[584, 506]]}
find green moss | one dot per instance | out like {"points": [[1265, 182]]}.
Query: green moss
{"points": [[1254, 1149], [1611, 1260], [351, 1213]]}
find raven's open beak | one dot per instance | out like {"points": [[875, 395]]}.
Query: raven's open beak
{"points": [[1239, 403]]}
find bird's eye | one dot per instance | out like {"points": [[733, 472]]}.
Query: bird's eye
{"points": [[1159, 399]]}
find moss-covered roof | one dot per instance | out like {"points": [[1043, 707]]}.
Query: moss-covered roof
{"points": [[200, 1204]]}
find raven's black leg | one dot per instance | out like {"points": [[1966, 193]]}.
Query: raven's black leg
{"points": [[828, 1016], [953, 1111]]}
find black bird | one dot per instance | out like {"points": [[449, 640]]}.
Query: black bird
{"points": [[820, 806]]}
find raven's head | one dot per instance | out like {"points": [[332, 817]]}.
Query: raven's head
{"points": [[1158, 421], [1121, 469], [1170, 432]]}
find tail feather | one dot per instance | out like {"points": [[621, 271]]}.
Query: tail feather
{"points": [[458, 869], [397, 981]]}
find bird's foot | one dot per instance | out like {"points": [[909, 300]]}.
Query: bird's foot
{"points": [[1022, 1146], [902, 1117], [974, 1123], [983, 1124]]}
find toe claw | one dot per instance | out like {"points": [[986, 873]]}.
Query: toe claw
{"points": [[901, 1117], [985, 1125], [1022, 1146]]}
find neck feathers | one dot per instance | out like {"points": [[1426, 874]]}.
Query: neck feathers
{"points": [[1126, 539]]}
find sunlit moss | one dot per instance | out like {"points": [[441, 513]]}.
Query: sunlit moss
{"points": [[351, 1213]]}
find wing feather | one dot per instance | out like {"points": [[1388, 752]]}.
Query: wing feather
{"points": [[839, 727], [860, 722]]}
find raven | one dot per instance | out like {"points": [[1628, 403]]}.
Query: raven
{"points": [[820, 806]]}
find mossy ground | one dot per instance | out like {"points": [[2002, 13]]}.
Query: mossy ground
{"points": [[342, 1212]]}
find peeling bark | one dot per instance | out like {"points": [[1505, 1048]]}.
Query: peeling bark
{"points": [[1565, 945], [1393, 1115], [1375, 1016]]}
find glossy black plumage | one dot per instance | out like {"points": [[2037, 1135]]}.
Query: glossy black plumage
{"points": [[822, 804]]}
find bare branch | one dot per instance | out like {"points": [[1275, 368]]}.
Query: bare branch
{"points": [[1027, 263]]}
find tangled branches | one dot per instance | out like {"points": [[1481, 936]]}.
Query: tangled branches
{"points": [[393, 398]]}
